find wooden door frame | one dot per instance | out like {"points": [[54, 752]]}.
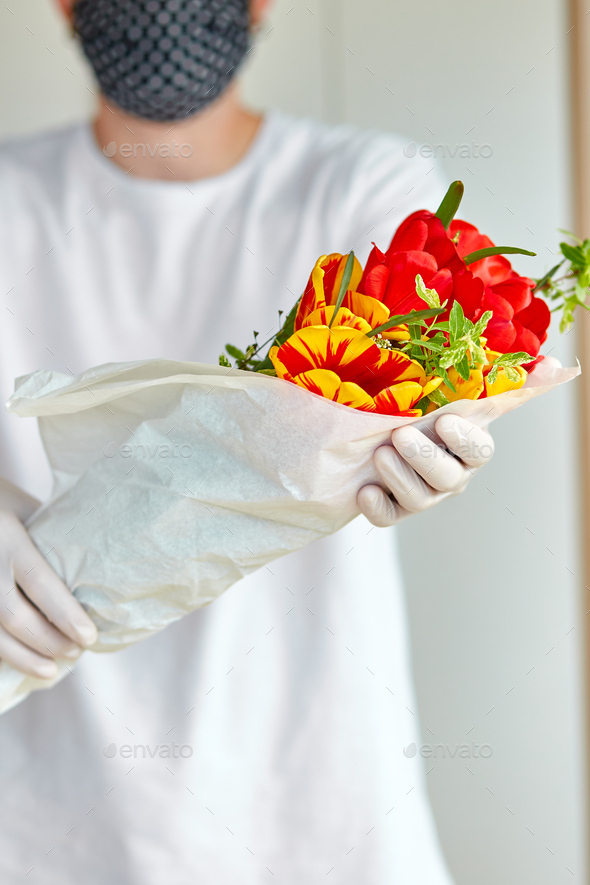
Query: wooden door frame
{"points": [[579, 47]]}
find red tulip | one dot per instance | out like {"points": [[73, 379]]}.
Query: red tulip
{"points": [[520, 320], [421, 245]]}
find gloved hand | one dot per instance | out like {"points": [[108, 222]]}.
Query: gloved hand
{"points": [[418, 473], [40, 620]]}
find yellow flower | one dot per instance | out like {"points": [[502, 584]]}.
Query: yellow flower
{"points": [[322, 291], [323, 285], [323, 317], [470, 389], [343, 364], [431, 384]]}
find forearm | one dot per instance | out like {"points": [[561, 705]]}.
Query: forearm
{"points": [[16, 501]]}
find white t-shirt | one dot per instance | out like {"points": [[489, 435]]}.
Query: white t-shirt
{"points": [[260, 739]]}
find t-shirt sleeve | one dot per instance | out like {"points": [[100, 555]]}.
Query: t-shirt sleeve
{"points": [[387, 187]]}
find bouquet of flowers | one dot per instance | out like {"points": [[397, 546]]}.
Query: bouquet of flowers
{"points": [[441, 316], [174, 480]]}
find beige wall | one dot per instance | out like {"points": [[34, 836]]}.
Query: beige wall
{"points": [[493, 576]]}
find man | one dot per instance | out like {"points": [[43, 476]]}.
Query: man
{"points": [[261, 737]]}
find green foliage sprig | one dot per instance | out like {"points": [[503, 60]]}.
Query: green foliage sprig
{"points": [[570, 289], [453, 343]]}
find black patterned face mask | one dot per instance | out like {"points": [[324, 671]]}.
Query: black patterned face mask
{"points": [[163, 59]]}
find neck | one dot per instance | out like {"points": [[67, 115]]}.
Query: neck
{"points": [[207, 144]]}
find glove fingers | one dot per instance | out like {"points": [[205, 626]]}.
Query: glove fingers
{"points": [[25, 623], [17, 655], [440, 470], [45, 589], [473, 445], [377, 506], [407, 487]]}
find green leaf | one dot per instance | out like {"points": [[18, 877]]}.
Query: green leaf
{"points": [[235, 352], [478, 354], [422, 404], [560, 293], [442, 373], [438, 398], [492, 375], [580, 293], [567, 317], [481, 324], [575, 254], [283, 334], [568, 233], [223, 361], [544, 280], [495, 250], [288, 326], [456, 321], [512, 375], [453, 354], [429, 344], [462, 367], [513, 359], [414, 316], [450, 203], [348, 268], [430, 296], [507, 361]]}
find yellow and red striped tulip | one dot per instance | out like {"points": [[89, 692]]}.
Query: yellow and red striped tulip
{"points": [[324, 282], [344, 365], [322, 291], [322, 316]]}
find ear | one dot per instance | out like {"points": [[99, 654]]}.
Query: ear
{"points": [[67, 7], [258, 11]]}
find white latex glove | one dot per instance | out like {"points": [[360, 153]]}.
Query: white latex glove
{"points": [[40, 620], [417, 473]]}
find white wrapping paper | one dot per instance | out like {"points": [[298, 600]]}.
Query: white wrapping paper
{"points": [[174, 480]]}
